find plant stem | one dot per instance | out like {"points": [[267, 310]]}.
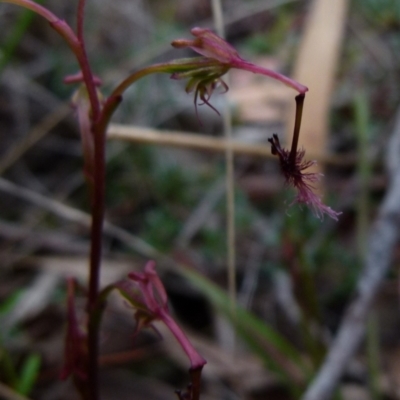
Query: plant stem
{"points": [[196, 360], [98, 206], [230, 179], [296, 131], [116, 96], [80, 18], [131, 79], [247, 66], [35, 7], [83, 61]]}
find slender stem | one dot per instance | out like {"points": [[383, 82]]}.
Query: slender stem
{"points": [[80, 19], [84, 64], [362, 124], [196, 360], [297, 123], [230, 182], [247, 66], [37, 8], [116, 96], [89, 81], [98, 206], [131, 79]]}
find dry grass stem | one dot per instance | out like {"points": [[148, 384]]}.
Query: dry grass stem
{"points": [[195, 141], [230, 172]]}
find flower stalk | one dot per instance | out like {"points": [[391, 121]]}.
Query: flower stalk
{"points": [[293, 165], [296, 130]]}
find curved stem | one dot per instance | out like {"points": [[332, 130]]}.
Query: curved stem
{"points": [[244, 65], [35, 7], [116, 95], [80, 19], [174, 67], [131, 79], [196, 360]]}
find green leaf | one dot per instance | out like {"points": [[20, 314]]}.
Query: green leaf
{"points": [[28, 375]]}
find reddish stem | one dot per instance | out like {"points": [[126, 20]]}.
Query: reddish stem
{"points": [[296, 131], [196, 360], [247, 66], [80, 19], [82, 57]]}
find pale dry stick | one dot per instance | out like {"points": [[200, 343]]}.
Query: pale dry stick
{"points": [[37, 133], [384, 236], [195, 141], [230, 171], [316, 65], [185, 140]]}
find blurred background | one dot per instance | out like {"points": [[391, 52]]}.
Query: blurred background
{"points": [[296, 274]]}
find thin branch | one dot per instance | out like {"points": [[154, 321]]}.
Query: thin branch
{"points": [[230, 172], [384, 235]]}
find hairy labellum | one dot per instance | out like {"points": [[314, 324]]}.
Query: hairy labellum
{"points": [[293, 169]]}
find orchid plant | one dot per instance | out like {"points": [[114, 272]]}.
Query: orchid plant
{"points": [[145, 291]]}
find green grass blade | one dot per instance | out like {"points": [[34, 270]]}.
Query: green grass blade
{"points": [[279, 355], [28, 375]]}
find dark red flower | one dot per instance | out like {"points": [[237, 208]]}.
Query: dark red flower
{"points": [[293, 169]]}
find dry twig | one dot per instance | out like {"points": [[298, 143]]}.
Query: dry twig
{"points": [[202, 142]]}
